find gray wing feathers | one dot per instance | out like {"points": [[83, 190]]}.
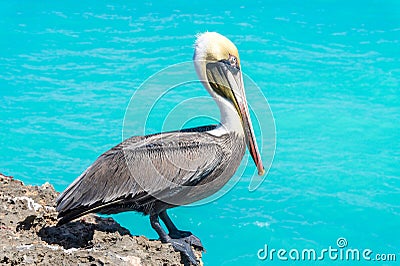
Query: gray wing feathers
{"points": [[157, 165]]}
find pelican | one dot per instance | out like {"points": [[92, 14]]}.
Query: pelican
{"points": [[153, 173]]}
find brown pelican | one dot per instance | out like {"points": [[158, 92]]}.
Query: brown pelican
{"points": [[150, 174]]}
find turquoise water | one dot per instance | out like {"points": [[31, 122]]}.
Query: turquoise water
{"points": [[329, 69]]}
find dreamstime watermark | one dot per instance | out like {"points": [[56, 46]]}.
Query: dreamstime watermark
{"points": [[340, 252], [164, 103]]}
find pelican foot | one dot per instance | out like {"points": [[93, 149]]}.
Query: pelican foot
{"points": [[188, 237], [185, 249]]}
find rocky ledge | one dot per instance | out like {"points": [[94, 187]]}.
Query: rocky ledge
{"points": [[29, 235]]}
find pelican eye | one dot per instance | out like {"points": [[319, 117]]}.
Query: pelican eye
{"points": [[231, 62]]}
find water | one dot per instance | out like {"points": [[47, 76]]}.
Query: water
{"points": [[329, 69]]}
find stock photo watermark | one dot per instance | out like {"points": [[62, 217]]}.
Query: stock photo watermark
{"points": [[165, 101], [340, 252]]}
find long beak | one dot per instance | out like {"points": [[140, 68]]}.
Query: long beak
{"points": [[227, 81]]}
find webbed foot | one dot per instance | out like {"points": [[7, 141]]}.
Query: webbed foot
{"points": [[184, 248], [188, 237]]}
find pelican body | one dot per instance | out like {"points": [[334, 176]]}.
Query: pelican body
{"points": [[150, 174]]}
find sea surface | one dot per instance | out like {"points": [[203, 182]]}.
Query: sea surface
{"points": [[329, 70]]}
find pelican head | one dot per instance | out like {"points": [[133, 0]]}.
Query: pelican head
{"points": [[217, 63]]}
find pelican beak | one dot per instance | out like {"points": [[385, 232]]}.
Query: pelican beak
{"points": [[227, 81]]}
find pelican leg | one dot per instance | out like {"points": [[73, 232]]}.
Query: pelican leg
{"points": [[179, 234], [178, 244], [155, 224]]}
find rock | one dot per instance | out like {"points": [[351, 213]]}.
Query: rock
{"points": [[29, 234]]}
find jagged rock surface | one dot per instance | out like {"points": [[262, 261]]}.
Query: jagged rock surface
{"points": [[29, 236]]}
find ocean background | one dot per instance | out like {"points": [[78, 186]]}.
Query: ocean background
{"points": [[330, 71]]}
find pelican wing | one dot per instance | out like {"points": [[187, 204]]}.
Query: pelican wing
{"points": [[141, 168]]}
